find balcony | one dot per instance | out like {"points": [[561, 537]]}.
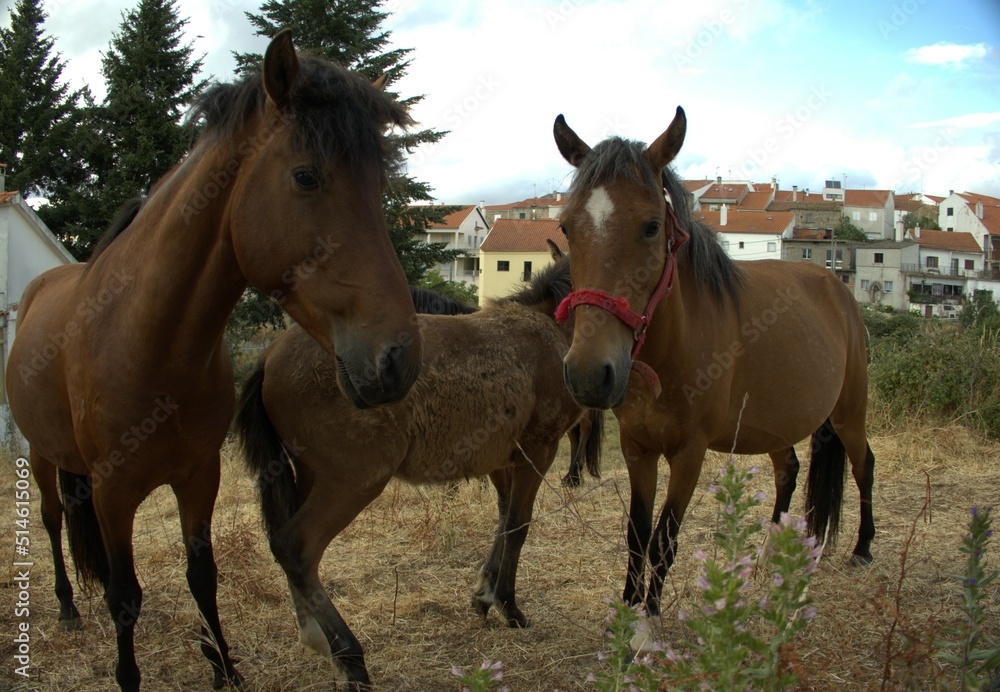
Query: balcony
{"points": [[943, 272]]}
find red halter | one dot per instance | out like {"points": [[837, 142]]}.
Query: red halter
{"points": [[619, 307]]}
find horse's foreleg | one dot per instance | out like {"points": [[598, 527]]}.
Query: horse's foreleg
{"points": [[685, 468], [786, 469], [526, 479], [44, 473], [195, 503], [859, 452], [298, 547], [483, 596], [642, 467]]}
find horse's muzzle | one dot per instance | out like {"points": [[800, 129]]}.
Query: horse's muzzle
{"points": [[385, 381], [599, 383]]}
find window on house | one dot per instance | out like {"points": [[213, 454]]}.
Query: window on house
{"points": [[879, 258], [741, 245], [887, 287], [970, 265], [931, 262], [772, 247], [855, 216], [873, 216], [526, 276], [809, 218], [950, 229], [503, 266], [864, 284], [807, 253], [521, 215], [950, 211]]}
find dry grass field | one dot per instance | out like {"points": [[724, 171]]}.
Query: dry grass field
{"points": [[402, 576]]}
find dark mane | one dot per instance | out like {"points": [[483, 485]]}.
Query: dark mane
{"points": [[429, 302], [550, 284], [125, 216], [334, 112], [616, 159]]}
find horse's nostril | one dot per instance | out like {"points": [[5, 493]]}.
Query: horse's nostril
{"points": [[390, 370], [609, 377]]}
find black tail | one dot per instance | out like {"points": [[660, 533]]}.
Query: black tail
{"points": [[825, 489], [83, 530], [595, 443], [265, 456]]}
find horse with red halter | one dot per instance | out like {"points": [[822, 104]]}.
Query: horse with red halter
{"points": [[119, 377], [785, 337], [490, 401]]}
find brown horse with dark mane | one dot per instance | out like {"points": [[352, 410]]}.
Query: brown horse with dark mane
{"points": [[119, 377], [490, 400], [749, 357]]}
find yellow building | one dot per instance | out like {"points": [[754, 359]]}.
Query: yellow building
{"points": [[512, 251]]}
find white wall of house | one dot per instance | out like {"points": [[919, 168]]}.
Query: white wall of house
{"points": [[956, 214], [468, 236], [878, 274], [751, 246], [27, 248]]}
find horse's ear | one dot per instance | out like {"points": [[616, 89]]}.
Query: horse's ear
{"points": [[281, 66], [554, 249], [381, 82], [665, 148], [570, 145]]}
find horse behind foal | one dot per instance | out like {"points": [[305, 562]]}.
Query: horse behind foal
{"points": [[139, 392], [490, 400], [789, 333]]}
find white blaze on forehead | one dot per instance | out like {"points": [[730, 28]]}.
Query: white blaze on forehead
{"points": [[600, 207]]}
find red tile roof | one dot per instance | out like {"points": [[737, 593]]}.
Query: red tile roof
{"points": [[770, 223], [544, 201], [6, 197], [695, 185], [948, 240], [757, 201], [866, 198], [524, 235], [800, 196], [991, 218], [727, 191], [454, 219], [973, 197]]}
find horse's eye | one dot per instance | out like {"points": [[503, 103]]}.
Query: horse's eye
{"points": [[652, 229], [563, 229], [306, 180]]}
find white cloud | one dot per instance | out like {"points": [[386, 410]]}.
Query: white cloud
{"points": [[947, 53], [967, 120]]}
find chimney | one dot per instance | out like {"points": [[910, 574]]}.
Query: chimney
{"points": [[979, 207], [718, 180], [3, 178], [795, 193], [951, 192], [916, 232], [774, 183], [723, 215]]}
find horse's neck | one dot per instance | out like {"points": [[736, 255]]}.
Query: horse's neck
{"points": [[184, 278]]}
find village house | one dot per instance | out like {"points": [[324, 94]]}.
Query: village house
{"points": [[749, 235], [979, 215], [879, 272], [873, 211], [462, 230], [512, 251]]}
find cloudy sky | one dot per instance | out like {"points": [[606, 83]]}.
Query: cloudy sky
{"points": [[902, 94]]}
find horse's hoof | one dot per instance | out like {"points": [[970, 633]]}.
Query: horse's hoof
{"points": [[232, 678], [571, 482], [71, 624], [483, 607], [860, 560], [518, 622]]}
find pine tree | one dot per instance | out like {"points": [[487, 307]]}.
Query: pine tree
{"points": [[39, 117], [151, 77]]}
